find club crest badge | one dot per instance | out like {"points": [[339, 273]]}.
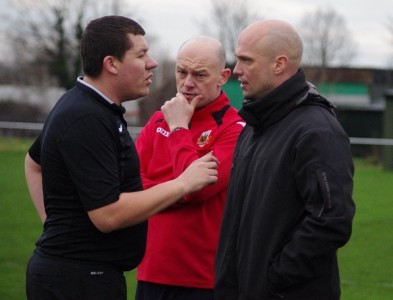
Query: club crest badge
{"points": [[204, 138]]}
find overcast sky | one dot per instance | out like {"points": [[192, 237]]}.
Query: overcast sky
{"points": [[174, 21], [365, 19]]}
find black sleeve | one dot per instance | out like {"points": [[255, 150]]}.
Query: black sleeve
{"points": [[35, 150]]}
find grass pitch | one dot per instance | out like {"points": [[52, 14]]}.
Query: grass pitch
{"points": [[366, 262]]}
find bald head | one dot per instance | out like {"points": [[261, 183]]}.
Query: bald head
{"points": [[275, 37], [200, 69], [268, 52], [203, 48]]}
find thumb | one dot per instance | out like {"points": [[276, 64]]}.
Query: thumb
{"points": [[196, 100]]}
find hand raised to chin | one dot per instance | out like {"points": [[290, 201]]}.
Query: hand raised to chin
{"points": [[178, 111]]}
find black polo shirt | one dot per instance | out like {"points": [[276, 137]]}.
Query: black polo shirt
{"points": [[88, 159]]}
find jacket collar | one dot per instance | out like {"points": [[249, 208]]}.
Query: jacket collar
{"points": [[214, 106], [269, 109]]}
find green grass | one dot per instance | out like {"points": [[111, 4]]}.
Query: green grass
{"points": [[366, 262]]}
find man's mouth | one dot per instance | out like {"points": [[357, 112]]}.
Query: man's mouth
{"points": [[149, 79], [189, 96]]}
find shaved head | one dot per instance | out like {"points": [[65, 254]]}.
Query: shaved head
{"points": [[200, 69], [275, 37], [268, 52], [204, 48]]}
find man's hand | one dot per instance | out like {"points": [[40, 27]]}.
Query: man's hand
{"points": [[178, 111], [200, 173]]}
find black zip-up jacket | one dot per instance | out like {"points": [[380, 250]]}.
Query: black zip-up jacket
{"points": [[289, 205]]}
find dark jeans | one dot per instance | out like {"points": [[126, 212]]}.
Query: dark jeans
{"points": [[49, 278], [154, 291]]}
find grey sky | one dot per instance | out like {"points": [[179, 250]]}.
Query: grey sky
{"points": [[174, 21], [365, 19]]}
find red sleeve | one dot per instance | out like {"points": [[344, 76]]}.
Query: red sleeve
{"points": [[184, 151]]}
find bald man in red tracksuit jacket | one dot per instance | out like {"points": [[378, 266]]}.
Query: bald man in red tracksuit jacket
{"points": [[182, 240]]}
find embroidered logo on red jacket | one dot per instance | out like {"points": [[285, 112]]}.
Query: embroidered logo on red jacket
{"points": [[204, 138]]}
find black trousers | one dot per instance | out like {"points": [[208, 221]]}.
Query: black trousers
{"points": [[154, 291], [49, 278]]}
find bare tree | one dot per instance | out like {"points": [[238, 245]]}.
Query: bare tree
{"points": [[327, 41], [226, 20], [45, 37], [63, 56]]}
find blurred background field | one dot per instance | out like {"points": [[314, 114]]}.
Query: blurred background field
{"points": [[366, 262]]}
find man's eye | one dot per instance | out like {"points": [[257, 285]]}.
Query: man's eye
{"points": [[242, 59]]}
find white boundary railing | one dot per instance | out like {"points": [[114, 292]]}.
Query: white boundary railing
{"points": [[20, 125], [371, 141], [134, 131]]}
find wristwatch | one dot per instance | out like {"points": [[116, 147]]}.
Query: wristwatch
{"points": [[177, 129]]}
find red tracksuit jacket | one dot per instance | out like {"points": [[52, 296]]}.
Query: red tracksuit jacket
{"points": [[182, 240]]}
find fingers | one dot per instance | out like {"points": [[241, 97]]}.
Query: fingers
{"points": [[181, 99], [209, 157], [178, 111], [212, 172], [167, 104], [200, 173], [204, 172], [210, 163], [195, 101], [175, 103]]}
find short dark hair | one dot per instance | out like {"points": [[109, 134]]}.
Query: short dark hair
{"points": [[106, 36]]}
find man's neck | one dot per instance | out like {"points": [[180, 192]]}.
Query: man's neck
{"points": [[101, 88]]}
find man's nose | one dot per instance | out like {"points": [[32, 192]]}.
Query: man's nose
{"points": [[189, 81]]}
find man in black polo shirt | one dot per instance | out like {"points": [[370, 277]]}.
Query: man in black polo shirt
{"points": [[83, 173]]}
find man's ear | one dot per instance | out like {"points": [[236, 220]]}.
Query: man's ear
{"points": [[281, 63], [225, 73], [110, 64]]}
